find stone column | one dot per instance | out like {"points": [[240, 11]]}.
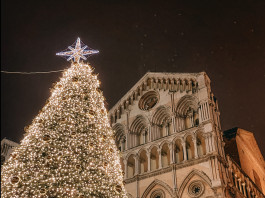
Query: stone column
{"points": [[244, 188], [213, 140], [165, 85], [137, 161], [194, 139], [148, 139], [189, 86], [159, 158], [239, 183], [145, 86], [236, 181], [125, 169], [206, 140], [178, 85], [127, 141], [141, 90], [148, 153], [151, 84], [118, 114], [182, 87], [248, 191], [183, 143], [173, 152], [210, 142], [200, 114], [171, 85]]}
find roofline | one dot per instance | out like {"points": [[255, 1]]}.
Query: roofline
{"points": [[152, 73]]}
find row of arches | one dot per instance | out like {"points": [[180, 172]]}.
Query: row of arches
{"points": [[161, 156], [162, 123]]}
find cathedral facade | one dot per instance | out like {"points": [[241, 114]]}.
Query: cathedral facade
{"points": [[167, 128]]}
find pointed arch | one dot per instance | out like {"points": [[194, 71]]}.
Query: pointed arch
{"points": [[142, 149], [187, 112], [161, 123], [201, 143], [161, 115], [143, 161], [185, 103], [164, 142], [119, 134], [159, 183], [119, 130], [194, 172], [139, 124], [129, 154], [152, 146], [138, 131]]}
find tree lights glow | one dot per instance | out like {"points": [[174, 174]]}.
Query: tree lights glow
{"points": [[69, 149]]}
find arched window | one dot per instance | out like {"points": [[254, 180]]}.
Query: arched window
{"points": [[162, 124], [178, 152], [143, 136], [154, 159], [138, 131], [120, 138], [165, 155], [201, 147], [143, 162], [187, 113], [131, 166], [190, 148]]}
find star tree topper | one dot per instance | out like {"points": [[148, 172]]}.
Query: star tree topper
{"points": [[77, 52]]}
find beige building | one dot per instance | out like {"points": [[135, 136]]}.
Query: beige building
{"points": [[7, 147], [168, 130]]}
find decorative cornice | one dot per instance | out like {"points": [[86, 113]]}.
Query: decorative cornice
{"points": [[151, 75]]}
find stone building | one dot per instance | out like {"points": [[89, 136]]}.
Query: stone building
{"points": [[6, 149], [167, 127]]}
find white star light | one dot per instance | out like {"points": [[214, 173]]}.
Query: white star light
{"points": [[77, 52]]}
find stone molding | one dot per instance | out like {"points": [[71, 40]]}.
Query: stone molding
{"points": [[160, 183], [194, 172]]}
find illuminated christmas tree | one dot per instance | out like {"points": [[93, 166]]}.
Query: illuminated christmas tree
{"points": [[69, 149]]}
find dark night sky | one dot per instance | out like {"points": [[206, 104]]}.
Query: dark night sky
{"points": [[224, 38]]}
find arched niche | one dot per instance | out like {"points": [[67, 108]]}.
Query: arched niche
{"points": [[131, 166], [165, 155], [190, 148], [143, 161], [162, 123], [154, 158], [138, 131], [120, 138], [187, 112], [201, 146], [178, 151]]}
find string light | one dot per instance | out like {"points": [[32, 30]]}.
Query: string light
{"points": [[44, 72]]}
